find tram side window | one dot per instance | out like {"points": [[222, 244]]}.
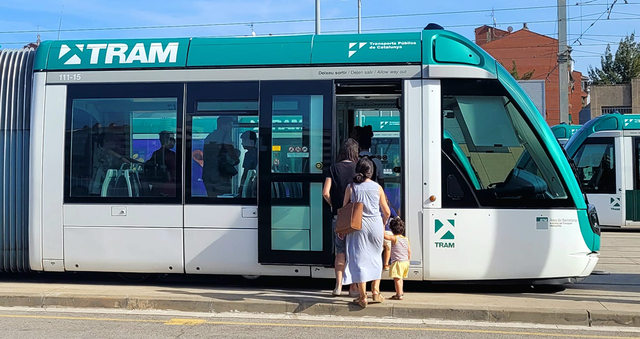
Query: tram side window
{"points": [[224, 155], [123, 148], [596, 166], [491, 155]]}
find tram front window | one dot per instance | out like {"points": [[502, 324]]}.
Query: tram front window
{"points": [[494, 150], [596, 165]]}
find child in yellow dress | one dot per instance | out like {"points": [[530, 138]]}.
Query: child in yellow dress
{"points": [[400, 255]]}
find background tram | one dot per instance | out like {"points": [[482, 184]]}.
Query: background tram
{"points": [[563, 132], [246, 129], [606, 152]]}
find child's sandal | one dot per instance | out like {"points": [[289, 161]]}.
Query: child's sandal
{"points": [[397, 297]]}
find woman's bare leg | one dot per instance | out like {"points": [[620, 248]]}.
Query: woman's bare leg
{"points": [[375, 286], [362, 289]]}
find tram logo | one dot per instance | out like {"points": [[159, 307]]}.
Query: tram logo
{"points": [[444, 233], [119, 53], [354, 47], [615, 204]]}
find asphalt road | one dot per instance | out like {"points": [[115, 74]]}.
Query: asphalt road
{"points": [[68, 324]]}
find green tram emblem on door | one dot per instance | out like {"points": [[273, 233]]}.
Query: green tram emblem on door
{"points": [[444, 232], [614, 203]]}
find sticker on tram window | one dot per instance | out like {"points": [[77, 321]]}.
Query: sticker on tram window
{"points": [[276, 148]]}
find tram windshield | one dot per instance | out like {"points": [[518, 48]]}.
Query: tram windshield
{"points": [[508, 161]]}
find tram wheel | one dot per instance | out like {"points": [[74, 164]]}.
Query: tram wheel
{"points": [[136, 277], [251, 277]]}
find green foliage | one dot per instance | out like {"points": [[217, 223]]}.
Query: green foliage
{"points": [[515, 75], [621, 68]]}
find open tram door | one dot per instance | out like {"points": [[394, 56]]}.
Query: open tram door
{"points": [[295, 154]]}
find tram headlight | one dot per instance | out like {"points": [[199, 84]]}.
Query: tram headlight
{"points": [[593, 218]]}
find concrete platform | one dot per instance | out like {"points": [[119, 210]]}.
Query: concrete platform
{"points": [[610, 298]]}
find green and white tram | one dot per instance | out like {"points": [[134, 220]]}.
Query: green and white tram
{"points": [[450, 125], [563, 132], [606, 152]]}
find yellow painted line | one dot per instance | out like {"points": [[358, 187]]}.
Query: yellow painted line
{"points": [[191, 322], [550, 334], [196, 321]]}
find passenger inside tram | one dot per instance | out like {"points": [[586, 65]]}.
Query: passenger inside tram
{"points": [[220, 158], [364, 135], [160, 169], [249, 165]]}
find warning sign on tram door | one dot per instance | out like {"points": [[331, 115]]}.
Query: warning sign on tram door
{"points": [[298, 152]]}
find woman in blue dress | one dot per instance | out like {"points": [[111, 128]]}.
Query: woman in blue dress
{"points": [[364, 247]]}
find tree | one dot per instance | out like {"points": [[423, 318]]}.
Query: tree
{"points": [[621, 68], [515, 75]]}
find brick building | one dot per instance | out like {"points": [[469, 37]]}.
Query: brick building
{"points": [[538, 53]]}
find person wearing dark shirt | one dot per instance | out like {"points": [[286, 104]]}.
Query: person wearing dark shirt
{"points": [[249, 143], [220, 158], [364, 136], [341, 176], [164, 167]]}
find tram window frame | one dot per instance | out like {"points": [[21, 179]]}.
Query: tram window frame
{"points": [[609, 143], [123, 91], [485, 198], [224, 99]]}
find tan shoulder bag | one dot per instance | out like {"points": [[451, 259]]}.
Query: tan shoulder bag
{"points": [[349, 217]]}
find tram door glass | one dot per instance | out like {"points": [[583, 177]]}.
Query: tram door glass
{"points": [[633, 196], [385, 146], [295, 120], [296, 145]]}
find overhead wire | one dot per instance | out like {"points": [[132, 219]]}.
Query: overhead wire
{"points": [[268, 22]]}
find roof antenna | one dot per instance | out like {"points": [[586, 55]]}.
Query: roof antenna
{"points": [[60, 23], [493, 16]]}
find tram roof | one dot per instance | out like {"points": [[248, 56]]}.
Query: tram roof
{"points": [[432, 46], [607, 122], [564, 130]]}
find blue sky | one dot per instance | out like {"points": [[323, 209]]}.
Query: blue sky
{"points": [[94, 19]]}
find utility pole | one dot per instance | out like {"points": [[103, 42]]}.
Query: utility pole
{"points": [[563, 61], [317, 17], [359, 16]]}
